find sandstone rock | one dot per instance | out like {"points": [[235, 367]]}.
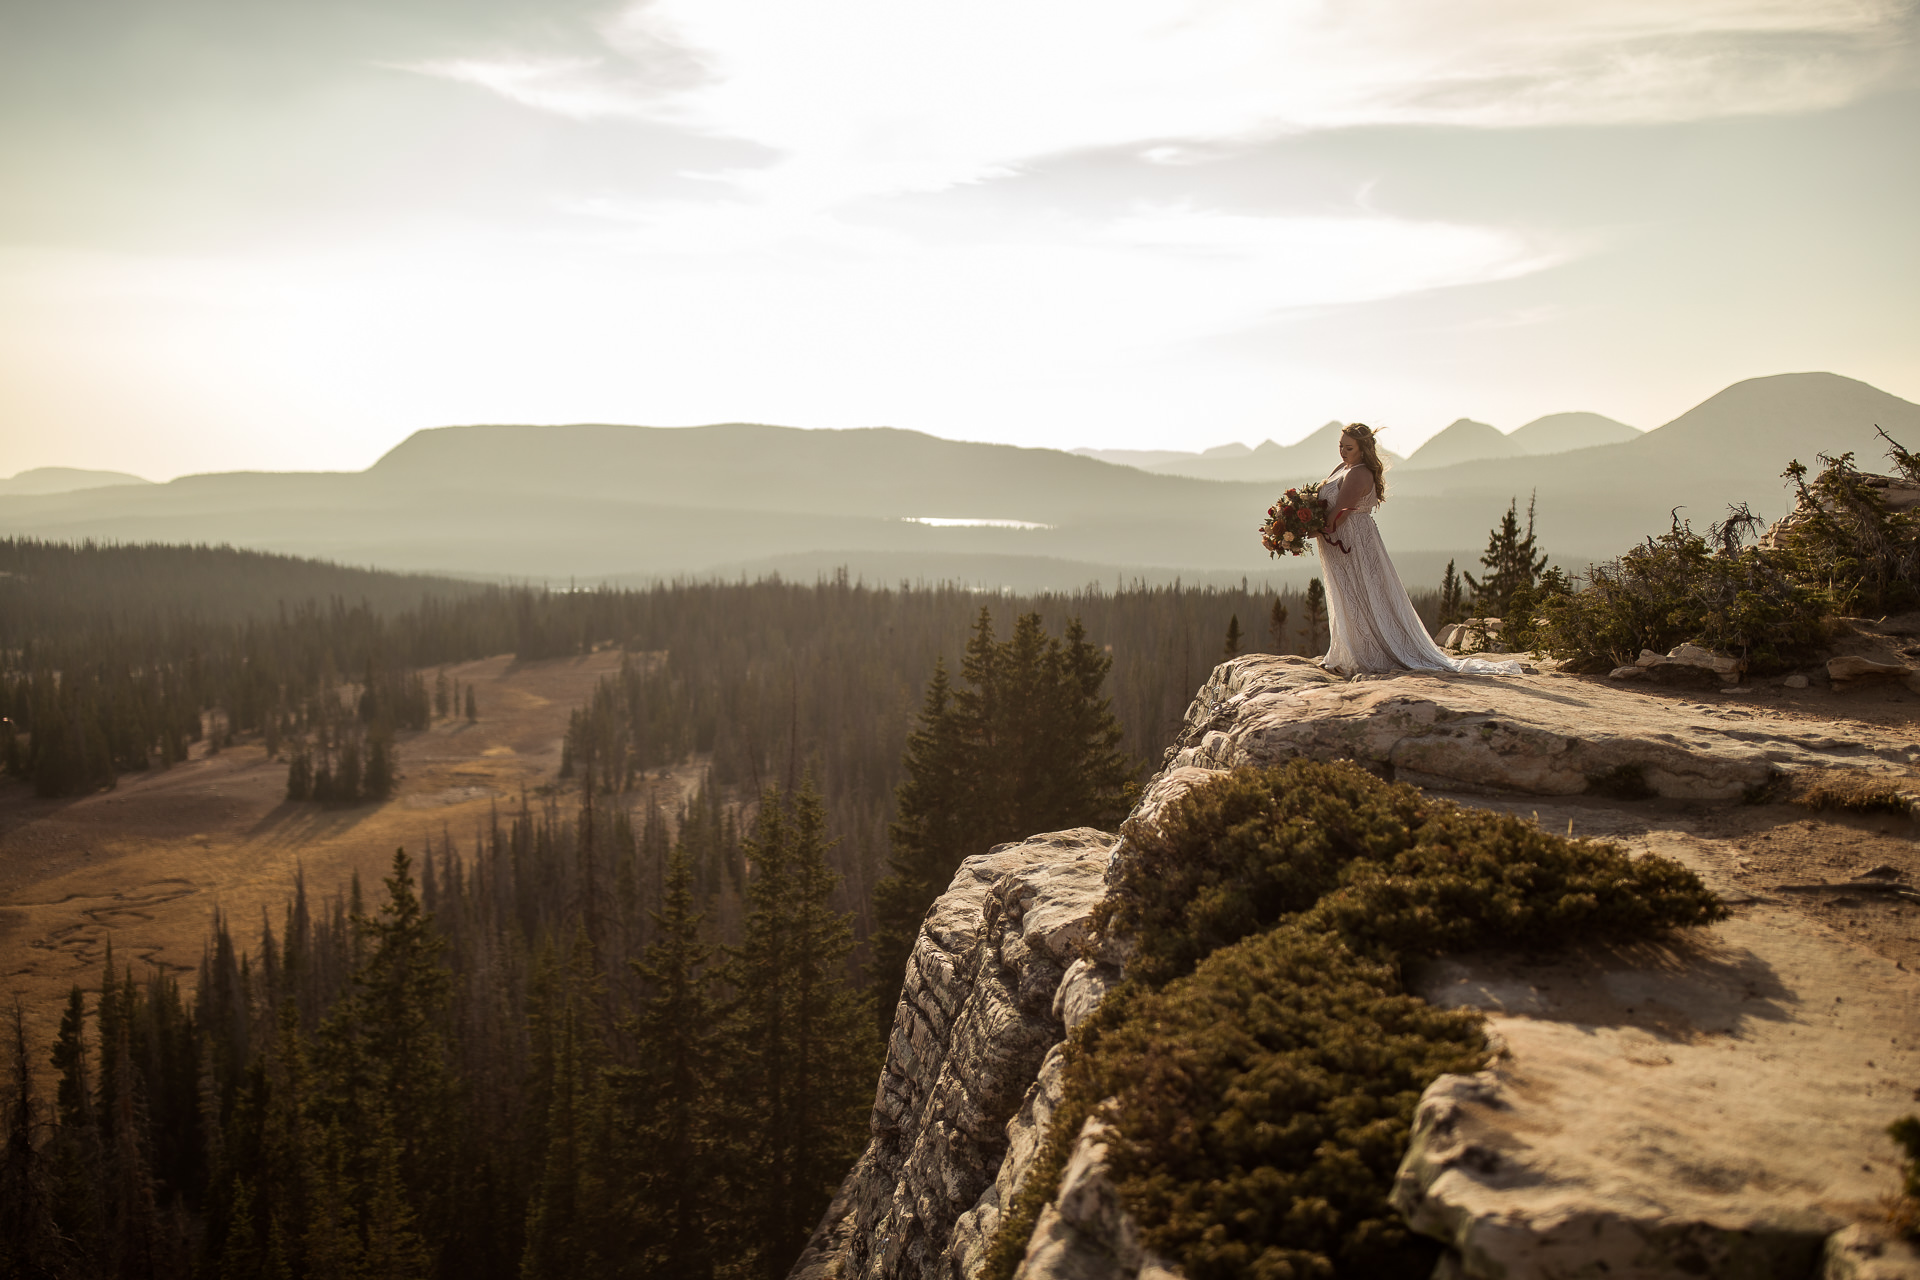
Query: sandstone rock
{"points": [[1868, 1253], [1694, 655], [1853, 667], [1495, 733], [1796, 681], [1475, 635], [1692, 1109], [1627, 673], [1077, 1235], [1897, 492], [974, 1024], [1689, 664], [1086, 984], [973, 1232]]}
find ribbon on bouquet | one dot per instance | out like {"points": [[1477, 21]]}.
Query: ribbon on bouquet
{"points": [[1328, 537]]}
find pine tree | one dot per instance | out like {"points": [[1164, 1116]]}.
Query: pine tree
{"points": [[1316, 619], [30, 1243], [347, 782], [663, 1147], [290, 1151], [1232, 647], [139, 1241], [1277, 626], [830, 1048], [394, 1247], [798, 1038], [1511, 563], [381, 774], [1450, 596], [760, 1093], [331, 1244], [75, 1096], [567, 1218], [383, 1059], [1031, 744], [929, 837], [72, 1157]]}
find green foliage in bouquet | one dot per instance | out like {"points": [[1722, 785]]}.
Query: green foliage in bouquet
{"points": [[1259, 1069]]}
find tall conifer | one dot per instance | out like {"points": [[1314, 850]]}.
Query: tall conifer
{"points": [[664, 1147], [1512, 561], [1029, 744]]}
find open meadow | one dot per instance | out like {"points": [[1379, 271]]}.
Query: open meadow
{"points": [[145, 865]]}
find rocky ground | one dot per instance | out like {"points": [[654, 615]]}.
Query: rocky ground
{"points": [[1712, 1107]]}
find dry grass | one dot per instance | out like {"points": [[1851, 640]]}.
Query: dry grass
{"points": [[1851, 791], [146, 864]]}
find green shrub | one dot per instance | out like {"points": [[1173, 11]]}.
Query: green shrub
{"points": [[1843, 550], [1682, 588], [1263, 1102], [1260, 1066], [1843, 537], [1385, 866], [1905, 1214]]}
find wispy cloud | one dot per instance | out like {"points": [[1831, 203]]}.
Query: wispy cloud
{"points": [[862, 97], [578, 88]]}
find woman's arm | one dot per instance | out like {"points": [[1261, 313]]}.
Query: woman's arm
{"points": [[1354, 488]]}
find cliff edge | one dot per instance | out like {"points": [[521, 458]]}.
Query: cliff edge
{"points": [[1714, 1106]]}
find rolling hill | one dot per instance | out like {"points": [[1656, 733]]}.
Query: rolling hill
{"points": [[1560, 432], [1468, 441], [64, 480], [596, 501], [1464, 440]]}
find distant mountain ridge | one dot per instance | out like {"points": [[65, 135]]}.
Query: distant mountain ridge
{"points": [[64, 480], [1465, 440], [1468, 441], [1305, 459], [1564, 432], [595, 501]]}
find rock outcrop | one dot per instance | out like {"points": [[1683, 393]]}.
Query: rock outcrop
{"points": [[1713, 1107], [1533, 736], [974, 1025]]}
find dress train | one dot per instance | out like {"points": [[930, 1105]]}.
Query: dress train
{"points": [[1372, 625]]}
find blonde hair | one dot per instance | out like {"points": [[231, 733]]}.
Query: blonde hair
{"points": [[1362, 434]]}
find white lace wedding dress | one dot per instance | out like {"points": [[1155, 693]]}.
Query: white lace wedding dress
{"points": [[1372, 625]]}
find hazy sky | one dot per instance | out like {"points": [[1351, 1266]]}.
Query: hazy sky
{"points": [[278, 234]]}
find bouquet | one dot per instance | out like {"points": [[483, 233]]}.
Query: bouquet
{"points": [[1298, 516]]}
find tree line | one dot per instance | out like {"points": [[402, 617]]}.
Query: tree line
{"points": [[535, 973], [533, 1060]]}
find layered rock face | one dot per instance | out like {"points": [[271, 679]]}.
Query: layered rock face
{"points": [[974, 1025], [1713, 1107]]}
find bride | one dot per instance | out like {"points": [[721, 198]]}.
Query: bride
{"points": [[1372, 625]]}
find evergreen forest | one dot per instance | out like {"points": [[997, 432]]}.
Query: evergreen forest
{"points": [[596, 1035]]}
